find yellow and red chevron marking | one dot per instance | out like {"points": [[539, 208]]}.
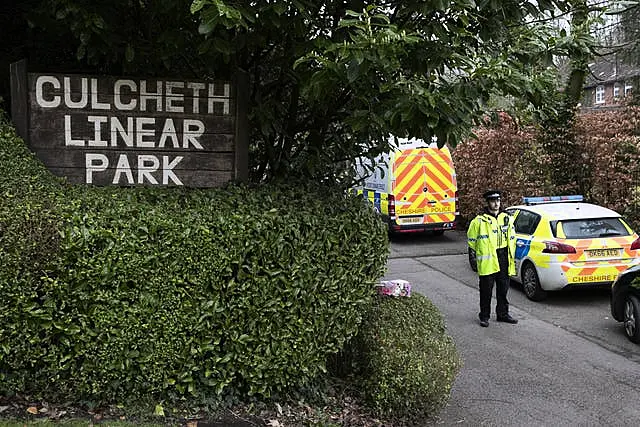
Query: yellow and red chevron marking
{"points": [[579, 269], [426, 167], [590, 270], [584, 245]]}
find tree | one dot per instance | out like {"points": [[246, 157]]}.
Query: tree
{"points": [[558, 136], [621, 29], [344, 75], [329, 80]]}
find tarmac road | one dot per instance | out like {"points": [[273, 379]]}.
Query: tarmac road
{"points": [[545, 371]]}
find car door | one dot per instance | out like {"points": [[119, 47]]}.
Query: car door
{"points": [[525, 224]]}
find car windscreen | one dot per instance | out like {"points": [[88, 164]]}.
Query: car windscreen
{"points": [[591, 228]]}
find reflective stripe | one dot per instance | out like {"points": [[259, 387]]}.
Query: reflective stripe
{"points": [[425, 180]]}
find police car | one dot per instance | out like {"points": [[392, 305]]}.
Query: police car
{"points": [[563, 242]]}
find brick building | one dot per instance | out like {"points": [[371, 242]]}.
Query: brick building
{"points": [[609, 82]]}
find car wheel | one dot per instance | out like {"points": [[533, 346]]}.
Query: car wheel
{"points": [[632, 318], [531, 283], [472, 260]]}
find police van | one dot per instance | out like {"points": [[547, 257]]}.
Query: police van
{"points": [[413, 186]]}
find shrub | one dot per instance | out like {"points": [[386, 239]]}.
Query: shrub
{"points": [[504, 156], [109, 295], [402, 359], [611, 149], [510, 157]]}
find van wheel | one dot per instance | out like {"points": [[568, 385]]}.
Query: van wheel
{"points": [[531, 283], [632, 318]]}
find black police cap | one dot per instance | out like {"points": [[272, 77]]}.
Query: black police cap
{"points": [[492, 194]]}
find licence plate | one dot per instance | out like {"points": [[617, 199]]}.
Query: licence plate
{"points": [[603, 253], [411, 220]]}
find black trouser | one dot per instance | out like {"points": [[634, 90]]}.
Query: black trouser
{"points": [[501, 279]]}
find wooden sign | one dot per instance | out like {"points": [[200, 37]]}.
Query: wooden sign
{"points": [[125, 131]]}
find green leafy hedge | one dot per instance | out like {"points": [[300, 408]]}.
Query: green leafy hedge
{"points": [[113, 294], [402, 359]]}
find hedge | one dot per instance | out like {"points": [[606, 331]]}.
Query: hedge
{"points": [[402, 359], [113, 295]]}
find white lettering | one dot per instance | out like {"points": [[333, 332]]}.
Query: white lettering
{"points": [[167, 172], [196, 87], [117, 92], [40, 82], [142, 132], [123, 168], [77, 92], [118, 129], [224, 100], [146, 96], [169, 131], [147, 165], [191, 135], [68, 140], [95, 104], [84, 94], [97, 140], [173, 97], [94, 163]]}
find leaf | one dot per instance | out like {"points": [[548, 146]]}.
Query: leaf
{"points": [[129, 53], [32, 410], [158, 411]]}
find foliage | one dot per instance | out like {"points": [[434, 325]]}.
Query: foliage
{"points": [[509, 156], [610, 142], [329, 80], [556, 137], [120, 294], [622, 29], [402, 359], [505, 155]]}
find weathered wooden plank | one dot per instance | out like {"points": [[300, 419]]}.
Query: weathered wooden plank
{"points": [[242, 127], [209, 143], [19, 98], [80, 120], [201, 179], [112, 93], [190, 161], [109, 130]]}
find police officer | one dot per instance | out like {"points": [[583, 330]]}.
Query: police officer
{"points": [[491, 238]]}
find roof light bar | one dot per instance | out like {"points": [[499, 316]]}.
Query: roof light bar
{"points": [[552, 199]]}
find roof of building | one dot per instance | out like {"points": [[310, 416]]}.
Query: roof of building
{"points": [[609, 69]]}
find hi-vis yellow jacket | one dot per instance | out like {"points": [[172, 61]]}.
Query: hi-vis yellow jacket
{"points": [[487, 233]]}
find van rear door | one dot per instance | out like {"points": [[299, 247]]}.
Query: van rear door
{"points": [[424, 187], [441, 185]]}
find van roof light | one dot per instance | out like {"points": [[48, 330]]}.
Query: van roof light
{"points": [[552, 199]]}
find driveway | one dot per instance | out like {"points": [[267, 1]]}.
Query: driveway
{"points": [[536, 373]]}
